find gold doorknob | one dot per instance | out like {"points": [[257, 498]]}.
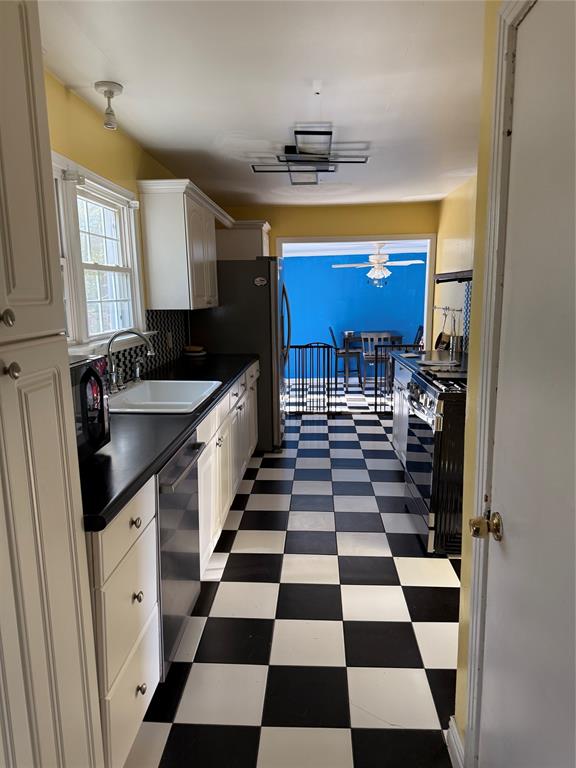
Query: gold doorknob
{"points": [[480, 527]]}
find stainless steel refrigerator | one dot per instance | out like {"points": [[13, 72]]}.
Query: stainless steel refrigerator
{"points": [[253, 316]]}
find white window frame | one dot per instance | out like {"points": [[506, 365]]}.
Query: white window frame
{"points": [[70, 179]]}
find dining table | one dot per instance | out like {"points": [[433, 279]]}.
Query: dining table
{"points": [[353, 344]]}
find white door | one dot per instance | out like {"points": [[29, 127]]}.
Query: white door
{"points": [[527, 705], [30, 282]]}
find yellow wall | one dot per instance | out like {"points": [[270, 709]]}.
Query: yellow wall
{"points": [[342, 220], [484, 159], [76, 131], [455, 246]]}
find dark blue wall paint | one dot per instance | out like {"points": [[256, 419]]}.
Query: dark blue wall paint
{"points": [[344, 299]]}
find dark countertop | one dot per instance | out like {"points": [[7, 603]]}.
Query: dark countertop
{"points": [[140, 443]]}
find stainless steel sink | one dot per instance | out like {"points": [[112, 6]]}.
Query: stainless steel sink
{"points": [[162, 396]]}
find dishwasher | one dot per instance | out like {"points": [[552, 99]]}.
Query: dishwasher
{"points": [[179, 545]]}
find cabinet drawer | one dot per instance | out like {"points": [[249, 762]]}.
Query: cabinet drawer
{"points": [[236, 391], [110, 546], [125, 603], [253, 373], [209, 425], [124, 708]]}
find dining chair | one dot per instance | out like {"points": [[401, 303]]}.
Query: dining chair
{"points": [[347, 355], [371, 339]]}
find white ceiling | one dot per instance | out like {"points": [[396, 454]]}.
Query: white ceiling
{"points": [[208, 84]]}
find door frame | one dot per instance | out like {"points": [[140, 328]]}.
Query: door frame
{"points": [[430, 264], [512, 13]]}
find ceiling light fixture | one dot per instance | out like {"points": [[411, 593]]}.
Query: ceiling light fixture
{"points": [[379, 263], [109, 89]]}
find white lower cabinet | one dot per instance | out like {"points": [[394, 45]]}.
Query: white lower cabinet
{"points": [[125, 585], [230, 432]]}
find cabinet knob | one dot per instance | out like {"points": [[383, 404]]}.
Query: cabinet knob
{"points": [[219, 442], [251, 389], [142, 688], [240, 408], [8, 318], [136, 522], [13, 370], [137, 597]]}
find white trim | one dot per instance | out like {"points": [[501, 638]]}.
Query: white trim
{"points": [[430, 264], [260, 224], [455, 745], [185, 186], [511, 14], [60, 161], [99, 346]]}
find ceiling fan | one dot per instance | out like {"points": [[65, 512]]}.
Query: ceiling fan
{"points": [[379, 263]]}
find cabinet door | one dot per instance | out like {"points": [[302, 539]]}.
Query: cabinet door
{"points": [[253, 418], [195, 235], [209, 512], [210, 260], [224, 461], [30, 279], [49, 686]]}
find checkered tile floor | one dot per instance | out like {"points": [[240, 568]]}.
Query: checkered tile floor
{"points": [[325, 637], [312, 397]]}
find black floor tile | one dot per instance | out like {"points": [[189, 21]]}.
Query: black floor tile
{"points": [[373, 453], [391, 504], [307, 697], [255, 520], [250, 473], [443, 686], [225, 541], [340, 488], [309, 601], [235, 641], [378, 437], [349, 445], [313, 453], [290, 443], [348, 464], [369, 423], [457, 565], [240, 567], [359, 522], [281, 462], [367, 570], [240, 501], [308, 436], [406, 545], [164, 703], [313, 474], [206, 597], [211, 746], [386, 475], [310, 543], [433, 603], [304, 502], [272, 486], [381, 644], [342, 429], [394, 748]]}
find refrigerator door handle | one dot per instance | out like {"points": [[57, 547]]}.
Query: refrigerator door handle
{"points": [[286, 301]]}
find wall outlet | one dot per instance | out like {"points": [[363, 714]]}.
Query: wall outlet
{"points": [[169, 340]]}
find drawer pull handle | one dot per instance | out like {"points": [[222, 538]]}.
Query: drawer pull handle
{"points": [[135, 522], [234, 394], [219, 442], [243, 385], [137, 597], [142, 688], [13, 370], [8, 318], [252, 389]]}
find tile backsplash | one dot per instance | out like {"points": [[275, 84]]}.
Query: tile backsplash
{"points": [[171, 328]]}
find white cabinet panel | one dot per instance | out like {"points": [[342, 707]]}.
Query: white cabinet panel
{"points": [[210, 260], [208, 501], [47, 612], [196, 248], [30, 280]]}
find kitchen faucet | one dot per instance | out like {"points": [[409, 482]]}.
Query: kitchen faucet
{"points": [[114, 384]]}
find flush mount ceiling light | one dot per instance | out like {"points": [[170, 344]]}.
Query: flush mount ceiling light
{"points": [[379, 263], [311, 154], [109, 89]]}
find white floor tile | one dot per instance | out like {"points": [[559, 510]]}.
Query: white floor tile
{"points": [[391, 698], [233, 520], [245, 600], [310, 569], [314, 444], [390, 464], [285, 453], [245, 486], [255, 462], [438, 643], [313, 464], [316, 429], [275, 474], [361, 602], [312, 487], [340, 437], [376, 445], [362, 430], [265, 542], [311, 521], [305, 748], [389, 489], [363, 544], [215, 566], [272, 502], [351, 475], [147, 749], [355, 504], [308, 643], [190, 639], [346, 453], [223, 694], [426, 572], [403, 522]]}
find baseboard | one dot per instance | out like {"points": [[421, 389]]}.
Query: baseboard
{"points": [[455, 745]]}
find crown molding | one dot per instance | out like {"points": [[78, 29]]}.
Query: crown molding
{"points": [[186, 187]]}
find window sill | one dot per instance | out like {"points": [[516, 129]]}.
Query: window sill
{"points": [[99, 346]]}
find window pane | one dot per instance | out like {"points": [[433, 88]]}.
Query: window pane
{"points": [[112, 253], [82, 215], [91, 283], [110, 223], [94, 320], [109, 319], [95, 218], [85, 248], [122, 286], [97, 250], [124, 314]]}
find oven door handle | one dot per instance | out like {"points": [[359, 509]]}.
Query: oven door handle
{"points": [[197, 450], [431, 421]]}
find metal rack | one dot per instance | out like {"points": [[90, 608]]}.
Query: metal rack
{"points": [[311, 378]]}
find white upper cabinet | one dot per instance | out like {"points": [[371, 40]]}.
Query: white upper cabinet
{"points": [[179, 232], [30, 282]]}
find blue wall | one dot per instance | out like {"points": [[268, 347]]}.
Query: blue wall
{"points": [[344, 298]]}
